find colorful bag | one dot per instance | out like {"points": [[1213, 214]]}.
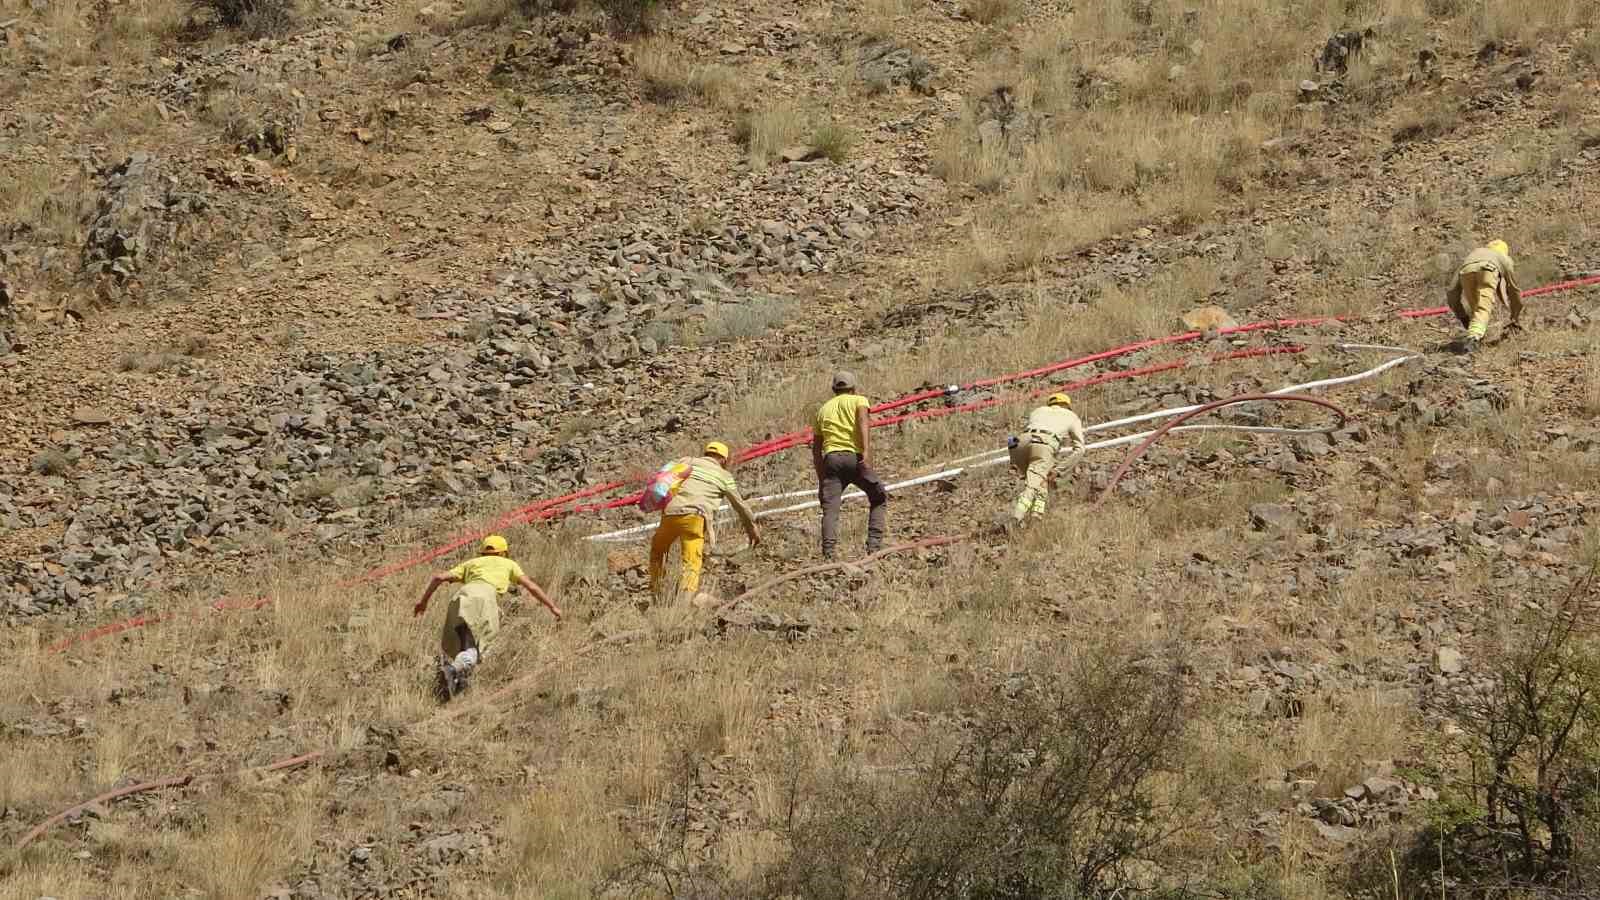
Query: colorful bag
{"points": [[663, 485]]}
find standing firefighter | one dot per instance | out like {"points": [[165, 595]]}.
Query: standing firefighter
{"points": [[473, 619], [1487, 274], [840, 449], [686, 516], [1034, 453]]}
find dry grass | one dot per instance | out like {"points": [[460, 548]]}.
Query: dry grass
{"points": [[53, 209], [753, 318], [77, 35], [878, 17], [670, 75], [1591, 384], [572, 763], [768, 131], [990, 12], [959, 159], [832, 141], [1513, 23]]}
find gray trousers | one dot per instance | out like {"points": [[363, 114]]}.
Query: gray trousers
{"points": [[841, 470]]}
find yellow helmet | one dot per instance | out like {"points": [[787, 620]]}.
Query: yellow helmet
{"points": [[1500, 247], [494, 543], [1059, 400], [717, 448]]}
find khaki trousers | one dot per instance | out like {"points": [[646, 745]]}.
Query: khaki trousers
{"points": [[1033, 460], [477, 608], [1478, 290]]}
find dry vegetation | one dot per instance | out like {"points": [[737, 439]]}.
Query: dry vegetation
{"points": [[929, 730], [1151, 112]]}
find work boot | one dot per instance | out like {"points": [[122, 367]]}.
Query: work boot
{"points": [[445, 685]]}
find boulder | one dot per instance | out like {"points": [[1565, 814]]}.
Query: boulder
{"points": [[1208, 318]]}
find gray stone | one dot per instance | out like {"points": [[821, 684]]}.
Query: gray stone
{"points": [[1449, 660], [1273, 517], [1338, 834], [1381, 789]]}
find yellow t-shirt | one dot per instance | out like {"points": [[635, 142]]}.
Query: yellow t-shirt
{"points": [[836, 423], [496, 571]]}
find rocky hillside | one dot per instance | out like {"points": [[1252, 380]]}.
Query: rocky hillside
{"points": [[295, 293]]}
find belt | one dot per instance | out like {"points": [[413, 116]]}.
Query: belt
{"points": [[1048, 436]]}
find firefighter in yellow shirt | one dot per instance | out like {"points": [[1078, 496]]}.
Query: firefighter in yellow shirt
{"points": [[1487, 274], [473, 618], [1035, 452], [840, 447], [686, 518]]}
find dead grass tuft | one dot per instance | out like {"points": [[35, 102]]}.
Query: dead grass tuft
{"points": [[669, 75], [990, 12], [767, 132], [832, 141], [1591, 384], [45, 208], [51, 463], [251, 18], [752, 318]]}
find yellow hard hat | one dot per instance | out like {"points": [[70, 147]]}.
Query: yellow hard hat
{"points": [[1059, 400], [1500, 247], [494, 543], [717, 448]]}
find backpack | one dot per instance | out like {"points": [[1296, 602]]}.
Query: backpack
{"points": [[664, 485]]}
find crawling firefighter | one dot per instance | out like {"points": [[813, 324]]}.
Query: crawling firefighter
{"points": [[473, 619], [1036, 454], [1487, 274]]}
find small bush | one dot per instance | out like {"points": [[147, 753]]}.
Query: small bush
{"points": [[1587, 51], [51, 462], [318, 488], [1424, 125], [716, 85], [989, 12], [668, 75], [1529, 797], [253, 18], [765, 133], [742, 321], [149, 361], [630, 16], [1047, 791], [194, 344], [702, 222], [664, 68], [665, 334], [832, 141]]}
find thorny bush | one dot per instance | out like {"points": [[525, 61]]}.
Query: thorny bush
{"points": [[1050, 787], [1528, 814]]}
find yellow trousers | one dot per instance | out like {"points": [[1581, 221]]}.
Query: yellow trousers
{"points": [[1033, 461], [1478, 290], [690, 530]]}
